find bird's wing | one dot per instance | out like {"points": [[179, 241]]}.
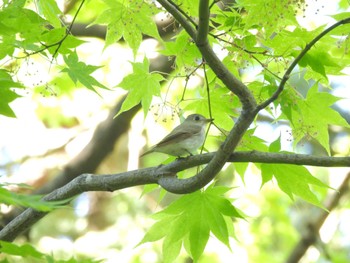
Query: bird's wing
{"points": [[178, 134], [168, 140]]}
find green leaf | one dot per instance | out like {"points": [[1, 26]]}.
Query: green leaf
{"points": [[199, 234], [341, 16], [50, 11], [129, 20], [171, 250], [241, 168], [25, 250], [183, 49], [315, 62], [33, 201], [30, 254], [23, 23], [293, 180], [79, 71], [251, 142], [275, 146], [218, 189], [6, 46], [142, 86], [266, 174], [190, 219], [16, 3], [314, 115], [177, 230], [216, 221], [157, 231], [189, 6], [175, 208], [55, 36], [256, 13], [6, 94], [260, 90], [223, 205]]}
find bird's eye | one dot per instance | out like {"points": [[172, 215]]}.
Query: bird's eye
{"points": [[196, 118]]}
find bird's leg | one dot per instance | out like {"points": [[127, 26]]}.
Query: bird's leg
{"points": [[190, 154], [180, 158]]}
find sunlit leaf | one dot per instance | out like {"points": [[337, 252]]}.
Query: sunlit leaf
{"points": [[128, 20], [314, 115], [33, 201], [79, 71], [50, 11], [294, 180], [25, 250], [190, 219], [142, 86], [7, 94]]}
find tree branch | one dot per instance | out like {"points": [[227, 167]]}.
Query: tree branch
{"points": [[237, 87], [164, 175], [82, 183], [296, 61], [200, 38], [314, 225], [87, 161], [232, 83], [203, 25], [215, 163], [100, 145]]}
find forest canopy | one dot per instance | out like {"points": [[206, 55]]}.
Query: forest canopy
{"points": [[88, 86]]}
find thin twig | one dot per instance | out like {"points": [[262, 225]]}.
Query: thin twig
{"points": [[208, 90], [296, 61], [68, 31]]}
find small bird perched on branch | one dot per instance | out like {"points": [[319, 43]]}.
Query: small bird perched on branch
{"points": [[183, 139]]}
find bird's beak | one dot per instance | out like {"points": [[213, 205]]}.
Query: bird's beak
{"points": [[209, 120]]}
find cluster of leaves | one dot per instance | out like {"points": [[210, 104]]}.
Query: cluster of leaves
{"points": [[189, 220], [26, 33], [22, 200], [29, 252], [248, 40]]}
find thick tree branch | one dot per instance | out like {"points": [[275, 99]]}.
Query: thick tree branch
{"points": [[82, 183], [203, 25], [164, 175]]}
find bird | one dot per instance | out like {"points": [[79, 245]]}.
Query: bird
{"points": [[183, 139]]}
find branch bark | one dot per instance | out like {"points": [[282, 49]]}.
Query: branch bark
{"points": [[164, 175]]}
